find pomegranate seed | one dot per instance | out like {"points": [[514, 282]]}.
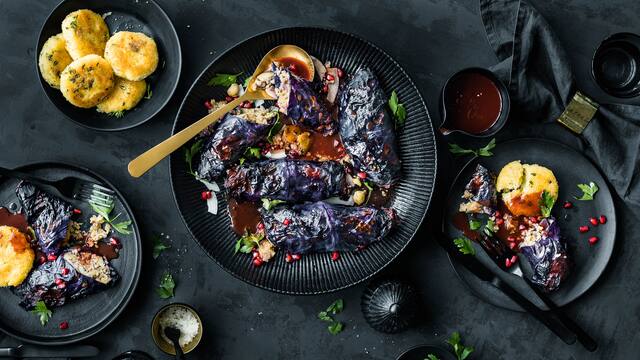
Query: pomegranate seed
{"points": [[511, 238], [567, 205], [362, 175], [330, 78], [288, 258], [64, 271], [62, 286], [208, 105], [114, 241], [77, 211], [58, 281], [42, 259], [507, 263], [325, 88], [499, 221], [497, 214], [228, 98], [603, 219], [533, 219], [335, 255], [257, 261], [593, 240], [593, 221], [286, 221], [583, 229], [247, 105], [295, 256], [64, 325], [514, 259], [260, 227], [205, 195], [340, 73], [51, 257], [512, 245]]}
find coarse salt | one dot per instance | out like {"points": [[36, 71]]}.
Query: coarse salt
{"points": [[182, 319]]}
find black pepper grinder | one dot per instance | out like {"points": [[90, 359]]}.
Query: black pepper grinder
{"points": [[390, 305]]}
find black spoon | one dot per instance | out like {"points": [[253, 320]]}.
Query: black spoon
{"points": [[174, 335]]}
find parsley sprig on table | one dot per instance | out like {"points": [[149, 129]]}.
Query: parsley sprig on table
{"points": [[462, 352], [159, 246], [336, 307], [189, 153], [464, 245], [166, 287], [224, 79], [397, 109], [483, 151], [546, 203], [43, 312], [121, 227], [588, 191]]}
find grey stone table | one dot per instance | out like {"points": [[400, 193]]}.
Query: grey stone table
{"points": [[431, 39]]}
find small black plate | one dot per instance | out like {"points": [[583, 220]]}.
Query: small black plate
{"points": [[570, 168], [86, 316], [138, 16], [420, 352]]}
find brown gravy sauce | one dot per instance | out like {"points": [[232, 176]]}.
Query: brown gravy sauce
{"points": [[473, 103], [245, 216]]}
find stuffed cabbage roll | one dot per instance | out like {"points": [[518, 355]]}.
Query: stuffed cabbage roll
{"points": [[48, 215], [231, 138], [321, 227], [367, 129], [286, 179], [546, 253], [480, 193], [73, 275]]}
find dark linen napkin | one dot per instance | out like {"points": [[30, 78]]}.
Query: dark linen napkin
{"points": [[533, 64]]}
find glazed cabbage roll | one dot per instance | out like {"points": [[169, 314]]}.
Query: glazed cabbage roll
{"points": [[321, 227], [286, 179], [547, 254], [86, 273], [48, 215], [480, 193], [297, 99], [231, 138], [367, 129]]}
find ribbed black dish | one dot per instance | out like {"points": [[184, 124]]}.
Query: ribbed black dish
{"points": [[314, 273], [390, 306]]}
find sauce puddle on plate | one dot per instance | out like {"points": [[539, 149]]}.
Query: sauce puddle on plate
{"points": [[473, 103]]}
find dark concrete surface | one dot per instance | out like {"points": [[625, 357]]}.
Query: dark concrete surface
{"points": [[431, 39]]}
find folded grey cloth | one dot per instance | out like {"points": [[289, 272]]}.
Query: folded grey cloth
{"points": [[533, 64]]}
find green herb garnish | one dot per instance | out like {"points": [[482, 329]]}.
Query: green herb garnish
{"points": [[224, 79], [167, 285], [189, 153], [121, 227], [588, 191], [335, 308], [462, 352], [149, 92], [483, 151], [370, 188], [117, 114], [546, 203], [464, 245], [159, 246], [270, 204], [246, 82], [43, 312], [474, 224], [490, 227], [275, 128], [431, 357], [335, 328], [253, 152], [397, 109], [241, 160], [248, 242]]}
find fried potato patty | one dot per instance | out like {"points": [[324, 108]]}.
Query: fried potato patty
{"points": [[16, 256], [125, 95], [53, 59], [85, 33], [522, 186], [87, 81], [133, 55]]}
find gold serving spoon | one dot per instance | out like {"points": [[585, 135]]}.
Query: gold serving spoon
{"points": [[140, 165]]}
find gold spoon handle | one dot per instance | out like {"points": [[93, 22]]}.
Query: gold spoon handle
{"points": [[140, 165]]}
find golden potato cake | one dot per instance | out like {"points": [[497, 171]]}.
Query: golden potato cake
{"points": [[85, 32], [133, 55], [53, 59], [87, 81], [16, 256], [125, 95], [522, 186]]}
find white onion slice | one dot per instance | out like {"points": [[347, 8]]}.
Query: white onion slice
{"points": [[212, 204], [320, 68], [337, 201], [277, 154]]}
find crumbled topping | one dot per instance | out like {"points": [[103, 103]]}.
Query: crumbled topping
{"points": [[98, 230], [532, 234], [89, 264], [266, 250]]}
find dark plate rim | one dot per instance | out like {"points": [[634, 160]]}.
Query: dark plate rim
{"points": [[518, 309], [119, 308], [121, 128], [439, 347], [422, 103]]}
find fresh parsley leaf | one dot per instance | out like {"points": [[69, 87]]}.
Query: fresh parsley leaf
{"points": [[546, 203], [322, 315], [189, 153], [159, 246], [588, 191], [335, 327], [432, 357], [397, 109], [370, 188], [224, 79], [149, 92], [489, 227], [253, 152], [248, 242], [121, 227], [270, 204], [474, 224], [117, 114], [464, 245], [483, 151], [462, 352], [43, 312], [275, 128], [336, 307], [242, 160], [167, 285], [102, 210]]}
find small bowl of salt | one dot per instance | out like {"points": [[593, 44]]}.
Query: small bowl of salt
{"points": [[179, 316]]}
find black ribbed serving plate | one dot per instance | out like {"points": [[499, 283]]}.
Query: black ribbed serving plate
{"points": [[314, 273]]}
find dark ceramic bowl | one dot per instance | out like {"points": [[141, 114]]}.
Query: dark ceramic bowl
{"points": [[156, 330], [615, 65], [420, 352], [504, 111], [138, 16]]}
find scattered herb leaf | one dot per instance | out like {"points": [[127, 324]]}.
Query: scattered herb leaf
{"points": [[486, 150], [224, 79], [159, 246], [432, 357], [336, 307], [248, 242], [483, 151], [474, 224], [322, 315], [253, 152], [546, 203], [43, 312], [464, 245], [490, 227], [149, 92], [246, 82], [189, 153], [370, 188], [167, 285], [462, 352], [335, 327], [270, 204], [275, 128], [242, 160], [121, 227], [117, 114], [397, 109], [588, 191]]}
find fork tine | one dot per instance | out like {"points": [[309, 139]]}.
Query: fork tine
{"points": [[101, 188], [96, 193]]}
